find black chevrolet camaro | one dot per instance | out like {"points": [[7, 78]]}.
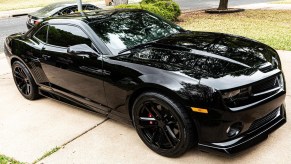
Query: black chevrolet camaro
{"points": [[178, 88]]}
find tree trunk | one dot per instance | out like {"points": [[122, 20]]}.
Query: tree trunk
{"points": [[223, 5], [118, 2]]}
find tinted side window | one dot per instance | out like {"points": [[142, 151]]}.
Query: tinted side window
{"points": [[69, 10], [90, 7], [41, 34], [65, 36]]}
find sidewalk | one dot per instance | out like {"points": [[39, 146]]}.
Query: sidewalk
{"points": [[266, 6], [11, 13]]}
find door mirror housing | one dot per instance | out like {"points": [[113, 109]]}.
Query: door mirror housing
{"points": [[82, 50]]}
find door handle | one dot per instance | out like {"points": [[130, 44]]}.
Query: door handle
{"points": [[92, 70], [45, 57]]}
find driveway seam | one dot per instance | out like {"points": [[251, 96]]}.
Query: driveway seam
{"points": [[5, 74], [4, 78], [73, 139]]}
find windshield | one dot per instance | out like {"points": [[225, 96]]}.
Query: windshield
{"points": [[48, 9], [130, 28]]}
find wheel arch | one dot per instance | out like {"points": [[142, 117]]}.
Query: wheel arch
{"points": [[152, 88], [182, 98], [16, 58]]}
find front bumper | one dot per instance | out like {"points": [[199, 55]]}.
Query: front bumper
{"points": [[250, 137]]}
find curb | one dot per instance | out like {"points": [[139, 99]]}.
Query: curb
{"points": [[18, 15]]}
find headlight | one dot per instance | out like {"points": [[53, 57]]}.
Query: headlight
{"points": [[242, 93], [281, 81], [230, 94], [275, 62]]}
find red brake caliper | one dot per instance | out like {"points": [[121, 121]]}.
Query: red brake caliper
{"points": [[150, 116]]}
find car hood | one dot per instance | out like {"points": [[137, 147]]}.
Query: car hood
{"points": [[203, 55], [237, 48]]}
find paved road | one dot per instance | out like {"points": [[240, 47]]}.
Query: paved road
{"points": [[11, 26]]}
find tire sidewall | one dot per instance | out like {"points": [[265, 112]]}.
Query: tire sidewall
{"points": [[34, 89], [175, 111]]}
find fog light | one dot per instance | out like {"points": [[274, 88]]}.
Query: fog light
{"points": [[234, 129]]}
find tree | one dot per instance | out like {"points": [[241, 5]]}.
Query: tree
{"points": [[223, 5], [118, 2], [223, 8]]}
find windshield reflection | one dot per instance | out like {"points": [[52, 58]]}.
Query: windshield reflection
{"points": [[127, 29]]}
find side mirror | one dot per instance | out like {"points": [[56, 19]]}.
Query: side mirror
{"points": [[82, 50]]}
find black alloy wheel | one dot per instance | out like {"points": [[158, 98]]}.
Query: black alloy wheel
{"points": [[24, 81], [163, 125]]}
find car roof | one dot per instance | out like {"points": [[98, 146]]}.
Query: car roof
{"points": [[92, 16], [53, 8], [64, 4]]}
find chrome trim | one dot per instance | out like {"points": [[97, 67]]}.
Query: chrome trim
{"points": [[147, 118], [268, 91]]}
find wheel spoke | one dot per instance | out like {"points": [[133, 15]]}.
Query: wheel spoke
{"points": [[23, 87], [20, 84], [147, 126], [28, 89], [18, 75], [154, 136], [167, 137], [160, 136], [22, 73], [152, 109], [173, 136]]}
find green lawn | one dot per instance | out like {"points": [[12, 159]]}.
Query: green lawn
{"points": [[282, 2], [22, 4], [7, 160], [272, 27]]}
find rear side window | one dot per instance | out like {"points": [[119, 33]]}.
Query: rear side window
{"points": [[41, 34], [65, 36], [68, 10], [90, 7]]}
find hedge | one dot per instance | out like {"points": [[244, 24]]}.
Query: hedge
{"points": [[165, 8]]}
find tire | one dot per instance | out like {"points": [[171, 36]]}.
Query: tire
{"points": [[24, 81], [163, 125]]}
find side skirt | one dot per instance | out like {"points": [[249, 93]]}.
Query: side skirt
{"points": [[112, 114]]}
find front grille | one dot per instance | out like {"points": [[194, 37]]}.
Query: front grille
{"points": [[260, 122], [256, 92], [266, 85], [267, 68]]}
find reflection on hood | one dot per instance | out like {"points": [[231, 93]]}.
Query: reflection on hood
{"points": [[202, 55]]}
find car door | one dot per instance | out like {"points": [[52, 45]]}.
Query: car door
{"points": [[77, 76]]}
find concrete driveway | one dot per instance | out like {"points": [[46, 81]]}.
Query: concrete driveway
{"points": [[29, 129]]}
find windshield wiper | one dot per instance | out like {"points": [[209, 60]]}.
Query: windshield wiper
{"points": [[151, 43], [143, 45]]}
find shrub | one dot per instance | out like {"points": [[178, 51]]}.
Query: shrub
{"points": [[165, 8], [148, 1], [171, 7], [130, 6], [154, 1]]}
